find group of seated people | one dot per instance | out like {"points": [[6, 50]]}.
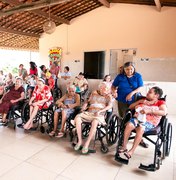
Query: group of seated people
{"points": [[92, 111]]}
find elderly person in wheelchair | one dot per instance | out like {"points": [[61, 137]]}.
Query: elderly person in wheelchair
{"points": [[66, 106], [41, 99], [99, 102], [11, 98], [148, 112]]}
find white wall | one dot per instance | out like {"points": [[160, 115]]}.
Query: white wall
{"points": [[117, 27], [121, 26]]}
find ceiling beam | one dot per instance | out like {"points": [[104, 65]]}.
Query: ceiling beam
{"points": [[105, 3], [55, 18], [19, 7], [158, 5], [18, 32]]}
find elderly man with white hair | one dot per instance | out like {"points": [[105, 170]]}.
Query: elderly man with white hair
{"points": [[99, 102]]}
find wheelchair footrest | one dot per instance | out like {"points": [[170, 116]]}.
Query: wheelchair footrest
{"points": [[121, 160], [20, 125], [89, 151], [150, 167]]}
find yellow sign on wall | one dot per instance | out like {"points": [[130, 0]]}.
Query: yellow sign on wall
{"points": [[55, 55]]}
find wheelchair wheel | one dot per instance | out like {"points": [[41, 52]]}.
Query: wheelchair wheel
{"points": [[42, 129], [164, 130], [57, 94], [112, 130], [168, 138], [50, 121], [158, 163], [85, 131], [104, 149], [25, 112]]}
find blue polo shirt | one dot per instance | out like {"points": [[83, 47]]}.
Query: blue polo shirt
{"points": [[124, 87]]}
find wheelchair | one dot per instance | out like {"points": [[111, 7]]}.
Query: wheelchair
{"points": [[57, 93], [42, 119], [107, 131], [163, 133], [68, 125], [15, 113]]}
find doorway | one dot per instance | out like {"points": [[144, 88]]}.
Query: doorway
{"points": [[94, 64], [118, 57]]}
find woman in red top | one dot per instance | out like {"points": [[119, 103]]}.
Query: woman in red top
{"points": [[33, 69], [41, 99]]}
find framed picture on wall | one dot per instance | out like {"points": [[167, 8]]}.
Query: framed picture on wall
{"points": [[55, 55]]}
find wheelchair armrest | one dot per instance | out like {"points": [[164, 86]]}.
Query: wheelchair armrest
{"points": [[77, 111]]}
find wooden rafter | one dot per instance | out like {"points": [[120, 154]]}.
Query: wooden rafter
{"points": [[158, 5], [21, 30], [34, 8], [105, 3], [18, 32], [44, 14]]}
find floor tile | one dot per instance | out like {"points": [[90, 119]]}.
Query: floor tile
{"points": [[7, 163], [36, 156], [27, 171], [53, 160], [87, 168], [21, 150]]}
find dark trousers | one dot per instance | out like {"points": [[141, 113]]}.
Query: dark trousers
{"points": [[122, 107]]}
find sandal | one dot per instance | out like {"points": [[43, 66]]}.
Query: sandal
{"points": [[52, 133], [85, 150], [122, 150], [128, 156], [60, 134], [77, 147], [143, 144]]}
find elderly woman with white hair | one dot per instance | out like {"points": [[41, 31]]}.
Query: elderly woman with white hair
{"points": [[66, 105], [99, 102], [11, 98], [41, 99]]}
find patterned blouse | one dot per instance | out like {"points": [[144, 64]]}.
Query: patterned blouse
{"points": [[41, 95], [98, 102]]}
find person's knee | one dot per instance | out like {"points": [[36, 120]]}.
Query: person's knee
{"points": [[64, 113], [140, 130], [94, 124], [56, 114], [129, 125], [78, 120]]}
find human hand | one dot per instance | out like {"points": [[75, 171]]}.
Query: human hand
{"points": [[35, 103], [145, 111], [66, 106], [97, 113], [114, 93], [30, 103], [63, 106], [129, 97], [13, 101]]}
